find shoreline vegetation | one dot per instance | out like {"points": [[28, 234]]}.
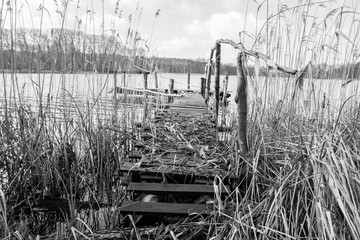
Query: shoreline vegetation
{"points": [[300, 176], [87, 60]]}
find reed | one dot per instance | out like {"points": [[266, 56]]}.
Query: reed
{"points": [[300, 174], [58, 145], [299, 177]]}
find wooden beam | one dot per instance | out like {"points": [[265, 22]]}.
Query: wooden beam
{"points": [[134, 72], [114, 97], [145, 98], [224, 99], [175, 170], [171, 89], [156, 80], [217, 81], [160, 208], [203, 86], [167, 188], [269, 62], [188, 81], [208, 76], [124, 80]]}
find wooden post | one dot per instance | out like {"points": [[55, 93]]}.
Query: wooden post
{"points": [[188, 81], [156, 80], [217, 81], [171, 89], [226, 79], [241, 100], [145, 98], [208, 77], [115, 87], [203, 86], [124, 79]]}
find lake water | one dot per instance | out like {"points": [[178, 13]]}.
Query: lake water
{"points": [[89, 91]]}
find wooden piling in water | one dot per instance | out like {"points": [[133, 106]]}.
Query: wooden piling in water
{"points": [[156, 80], [203, 87], [241, 100], [114, 97], [224, 99], [145, 98], [217, 81], [188, 85], [124, 79], [208, 77], [171, 89]]}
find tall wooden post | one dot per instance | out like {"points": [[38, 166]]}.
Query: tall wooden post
{"points": [[188, 87], [156, 80], [203, 86], [208, 77], [145, 98], [114, 97], [171, 89], [224, 99], [241, 100], [124, 79], [217, 81]]}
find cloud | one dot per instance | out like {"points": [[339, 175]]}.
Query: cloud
{"points": [[218, 25], [231, 4], [223, 25], [174, 47], [189, 8], [204, 32]]}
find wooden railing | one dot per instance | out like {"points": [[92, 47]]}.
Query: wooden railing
{"points": [[241, 92]]}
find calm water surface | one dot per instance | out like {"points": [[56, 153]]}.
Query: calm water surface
{"points": [[84, 91]]}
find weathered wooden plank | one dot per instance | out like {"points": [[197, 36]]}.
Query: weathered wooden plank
{"points": [[135, 155], [167, 209], [168, 188], [181, 171], [190, 100], [191, 105], [189, 112]]}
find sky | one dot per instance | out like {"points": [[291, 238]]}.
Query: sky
{"points": [[182, 28]]}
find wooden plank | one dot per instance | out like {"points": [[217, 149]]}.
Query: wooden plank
{"points": [[189, 112], [190, 100], [175, 170], [187, 107], [191, 105], [165, 209], [167, 188], [135, 155], [151, 178]]}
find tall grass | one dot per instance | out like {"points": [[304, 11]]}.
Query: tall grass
{"points": [[301, 171], [61, 145], [299, 179]]}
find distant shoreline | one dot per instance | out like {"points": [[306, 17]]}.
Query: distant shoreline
{"points": [[8, 71]]}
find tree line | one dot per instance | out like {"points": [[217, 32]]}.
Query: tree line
{"points": [[62, 50]]}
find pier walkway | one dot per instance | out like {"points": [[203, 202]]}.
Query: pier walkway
{"points": [[172, 168]]}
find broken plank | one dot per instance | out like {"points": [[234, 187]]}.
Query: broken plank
{"points": [[160, 208]]}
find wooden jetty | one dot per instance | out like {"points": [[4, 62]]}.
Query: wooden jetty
{"points": [[178, 165], [190, 105]]}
